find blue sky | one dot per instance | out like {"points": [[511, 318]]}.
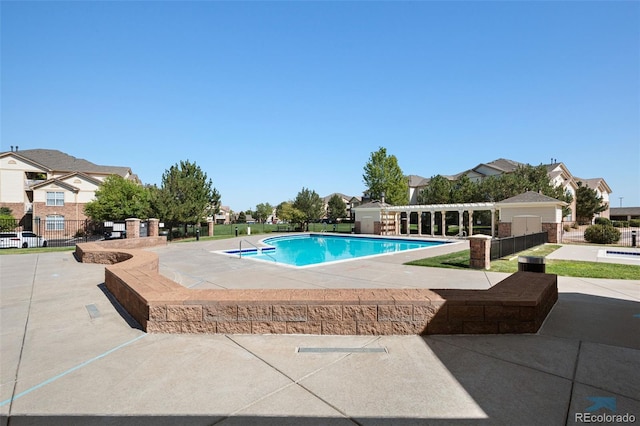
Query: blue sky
{"points": [[271, 97]]}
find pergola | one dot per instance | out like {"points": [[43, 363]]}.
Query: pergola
{"points": [[391, 216]]}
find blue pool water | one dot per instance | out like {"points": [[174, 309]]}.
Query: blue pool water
{"points": [[313, 249]]}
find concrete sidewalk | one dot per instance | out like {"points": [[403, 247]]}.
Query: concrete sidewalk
{"points": [[70, 357]]}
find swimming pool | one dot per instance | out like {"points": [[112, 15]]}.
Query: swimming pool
{"points": [[315, 249], [628, 256]]}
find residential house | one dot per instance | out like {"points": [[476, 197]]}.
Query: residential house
{"points": [[558, 173], [51, 186], [223, 217], [349, 201]]}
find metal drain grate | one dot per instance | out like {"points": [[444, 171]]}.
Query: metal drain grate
{"points": [[341, 350], [93, 311]]}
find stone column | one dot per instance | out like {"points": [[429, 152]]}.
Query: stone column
{"points": [[493, 222], [443, 227], [133, 227], [210, 228], [432, 218], [554, 232], [398, 225], [480, 257], [460, 221], [154, 227], [470, 222], [420, 223]]}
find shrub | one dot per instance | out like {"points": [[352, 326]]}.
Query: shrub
{"points": [[634, 223], [601, 234], [566, 228], [575, 225], [602, 221]]}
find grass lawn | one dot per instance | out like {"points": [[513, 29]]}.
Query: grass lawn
{"points": [[566, 268]]}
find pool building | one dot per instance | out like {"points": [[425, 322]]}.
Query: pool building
{"points": [[527, 213]]}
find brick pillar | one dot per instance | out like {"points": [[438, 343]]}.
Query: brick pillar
{"points": [[480, 246], [554, 232], [154, 227], [133, 228], [210, 228], [504, 229]]}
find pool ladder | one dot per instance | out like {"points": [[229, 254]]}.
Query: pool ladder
{"points": [[259, 250]]}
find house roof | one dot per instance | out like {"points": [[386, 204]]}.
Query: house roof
{"points": [[595, 183], [415, 180], [530, 197], [501, 164], [341, 195], [58, 182], [624, 211], [58, 161]]}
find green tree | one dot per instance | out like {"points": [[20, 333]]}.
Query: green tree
{"points": [[187, 195], [263, 211], [438, 191], [242, 217], [118, 198], [383, 176], [463, 190], [588, 203], [288, 213], [7, 221], [311, 206], [336, 208]]}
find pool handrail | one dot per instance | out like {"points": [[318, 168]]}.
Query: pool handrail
{"points": [[258, 250]]}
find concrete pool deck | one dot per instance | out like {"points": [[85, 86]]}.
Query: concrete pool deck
{"points": [[69, 356]]}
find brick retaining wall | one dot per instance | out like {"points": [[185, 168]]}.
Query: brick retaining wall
{"points": [[518, 304]]}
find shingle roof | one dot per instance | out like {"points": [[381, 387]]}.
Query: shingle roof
{"points": [[530, 197], [504, 165], [60, 162], [624, 211], [415, 180]]}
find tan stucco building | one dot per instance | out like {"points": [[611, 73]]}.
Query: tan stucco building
{"points": [[50, 186]]}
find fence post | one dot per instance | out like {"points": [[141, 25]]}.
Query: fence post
{"points": [[154, 227], [133, 228], [480, 251]]}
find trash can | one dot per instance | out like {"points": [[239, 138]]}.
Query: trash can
{"points": [[531, 264]]}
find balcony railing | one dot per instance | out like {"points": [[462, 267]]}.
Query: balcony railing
{"points": [[28, 183]]}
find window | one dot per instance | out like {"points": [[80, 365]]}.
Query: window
{"points": [[55, 222], [55, 198]]}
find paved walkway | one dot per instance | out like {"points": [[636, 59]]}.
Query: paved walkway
{"points": [[69, 357]]}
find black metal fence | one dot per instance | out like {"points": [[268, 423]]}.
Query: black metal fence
{"points": [[255, 228], [629, 236], [501, 247], [63, 233]]}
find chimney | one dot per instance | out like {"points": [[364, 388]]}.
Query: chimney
{"points": [[382, 198], [11, 148]]}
